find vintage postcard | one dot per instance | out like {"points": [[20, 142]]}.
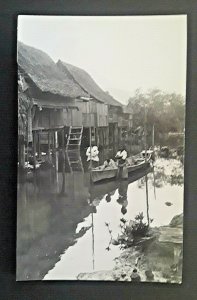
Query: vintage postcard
{"points": [[101, 131]]}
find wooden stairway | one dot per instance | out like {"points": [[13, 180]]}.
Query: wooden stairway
{"points": [[74, 161], [74, 138]]}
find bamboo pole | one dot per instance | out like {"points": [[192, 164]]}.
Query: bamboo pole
{"points": [[145, 132], [63, 163], [27, 136], [147, 201], [93, 258], [154, 183], [153, 145], [90, 137], [153, 138]]}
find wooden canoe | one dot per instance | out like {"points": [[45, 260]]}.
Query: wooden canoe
{"points": [[107, 174]]}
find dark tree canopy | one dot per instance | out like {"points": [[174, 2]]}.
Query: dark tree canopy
{"points": [[163, 110]]}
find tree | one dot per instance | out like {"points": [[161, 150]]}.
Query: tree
{"points": [[164, 110]]}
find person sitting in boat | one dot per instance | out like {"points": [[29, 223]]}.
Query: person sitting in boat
{"points": [[121, 156], [109, 163], [92, 156]]}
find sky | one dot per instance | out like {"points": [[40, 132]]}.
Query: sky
{"points": [[122, 54]]}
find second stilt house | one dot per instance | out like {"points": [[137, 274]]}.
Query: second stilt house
{"points": [[102, 113]]}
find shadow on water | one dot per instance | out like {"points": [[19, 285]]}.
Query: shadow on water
{"points": [[51, 205]]}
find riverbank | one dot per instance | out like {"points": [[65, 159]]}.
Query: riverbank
{"points": [[158, 259]]}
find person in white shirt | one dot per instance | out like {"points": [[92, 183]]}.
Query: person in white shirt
{"points": [[121, 156], [92, 156]]}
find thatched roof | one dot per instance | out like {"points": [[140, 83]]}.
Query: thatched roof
{"points": [[87, 83], [44, 72]]}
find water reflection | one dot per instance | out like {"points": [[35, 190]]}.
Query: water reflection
{"points": [[147, 200], [62, 216], [166, 171], [122, 198]]}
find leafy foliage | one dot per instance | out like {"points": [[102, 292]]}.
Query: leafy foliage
{"points": [[139, 228], [165, 111], [130, 232]]}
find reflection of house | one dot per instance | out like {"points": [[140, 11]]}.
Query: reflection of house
{"points": [[46, 228]]}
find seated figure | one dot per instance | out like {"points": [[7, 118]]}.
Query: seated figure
{"points": [[109, 163]]}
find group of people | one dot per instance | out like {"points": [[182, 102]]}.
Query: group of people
{"points": [[92, 154]]}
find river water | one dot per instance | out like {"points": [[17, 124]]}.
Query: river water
{"points": [[63, 221]]}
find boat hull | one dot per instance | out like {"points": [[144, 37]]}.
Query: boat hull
{"points": [[98, 175], [111, 174]]}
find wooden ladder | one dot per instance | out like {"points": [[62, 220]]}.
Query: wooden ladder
{"points": [[74, 138]]}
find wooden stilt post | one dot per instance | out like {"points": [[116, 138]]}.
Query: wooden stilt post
{"points": [[119, 136], [39, 150], [107, 137], [23, 152], [49, 150], [90, 142], [19, 150], [34, 148], [98, 137], [56, 171], [116, 134], [55, 140], [63, 161], [103, 136], [63, 140]]}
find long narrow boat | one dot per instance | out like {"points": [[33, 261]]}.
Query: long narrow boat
{"points": [[109, 186], [100, 174]]}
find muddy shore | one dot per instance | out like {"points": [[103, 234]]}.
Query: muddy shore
{"points": [[158, 259]]}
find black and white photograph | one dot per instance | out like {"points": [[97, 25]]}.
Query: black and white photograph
{"points": [[101, 143]]}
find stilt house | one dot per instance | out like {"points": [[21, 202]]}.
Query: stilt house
{"points": [[65, 105], [53, 98], [107, 118]]}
